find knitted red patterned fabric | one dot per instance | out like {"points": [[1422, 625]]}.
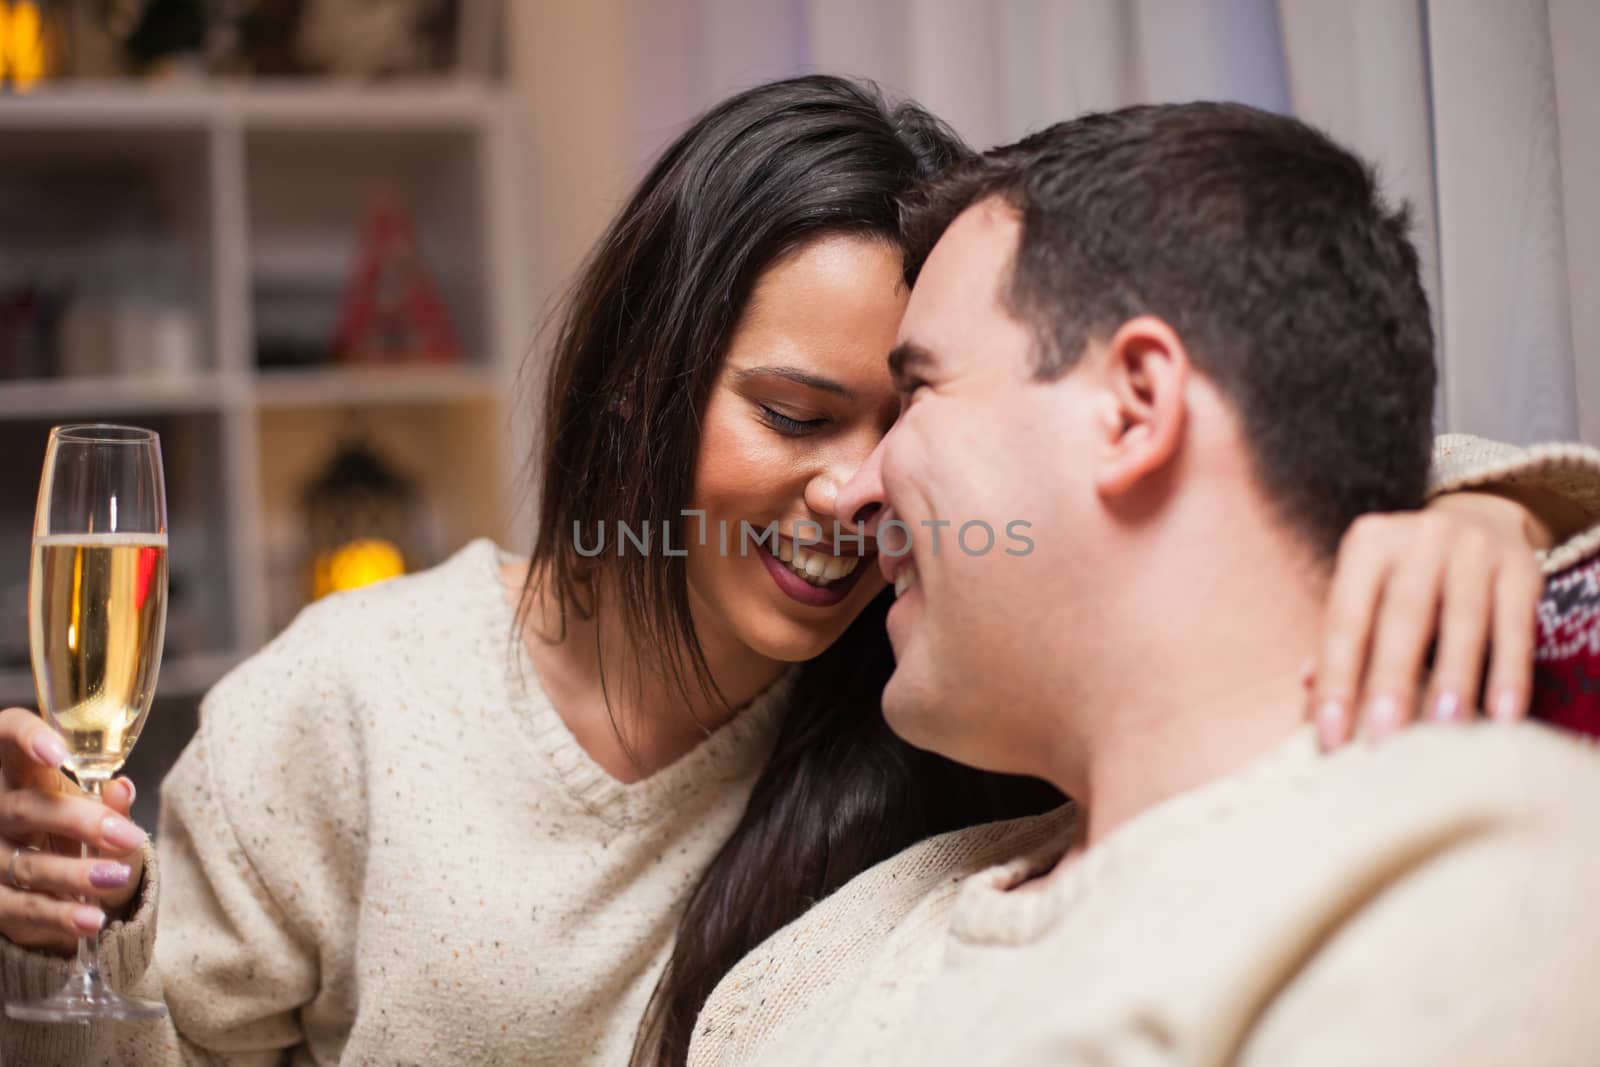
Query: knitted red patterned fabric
{"points": [[1566, 688]]}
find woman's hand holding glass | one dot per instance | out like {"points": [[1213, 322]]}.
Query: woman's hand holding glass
{"points": [[42, 809], [97, 598], [1459, 579]]}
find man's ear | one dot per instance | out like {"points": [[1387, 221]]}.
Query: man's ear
{"points": [[1144, 372]]}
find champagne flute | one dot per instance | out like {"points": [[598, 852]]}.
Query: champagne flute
{"points": [[97, 612]]}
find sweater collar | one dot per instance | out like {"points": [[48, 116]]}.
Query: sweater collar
{"points": [[992, 909], [732, 754]]}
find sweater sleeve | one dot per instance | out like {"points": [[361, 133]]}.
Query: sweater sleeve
{"points": [[126, 948], [1567, 476], [245, 936]]}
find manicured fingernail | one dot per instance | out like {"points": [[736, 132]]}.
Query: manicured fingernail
{"points": [[50, 749], [1506, 706], [1330, 724], [88, 919], [1383, 717], [132, 792], [1446, 708], [110, 875], [121, 833]]}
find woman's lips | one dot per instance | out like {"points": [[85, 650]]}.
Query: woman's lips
{"points": [[817, 596]]}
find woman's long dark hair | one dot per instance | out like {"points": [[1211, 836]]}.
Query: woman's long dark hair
{"points": [[640, 342]]}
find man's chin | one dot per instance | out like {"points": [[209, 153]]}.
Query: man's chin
{"points": [[910, 709]]}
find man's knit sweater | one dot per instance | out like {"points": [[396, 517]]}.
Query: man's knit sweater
{"points": [[1428, 901]]}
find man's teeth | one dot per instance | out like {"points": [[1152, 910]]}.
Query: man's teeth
{"points": [[816, 567], [905, 580]]}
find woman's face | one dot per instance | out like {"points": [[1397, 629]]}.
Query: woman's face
{"points": [[801, 400]]}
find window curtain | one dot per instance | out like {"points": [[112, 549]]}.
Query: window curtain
{"points": [[1483, 114]]}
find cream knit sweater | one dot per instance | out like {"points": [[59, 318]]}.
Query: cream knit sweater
{"points": [[1427, 901], [384, 847]]}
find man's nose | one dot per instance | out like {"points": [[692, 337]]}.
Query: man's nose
{"points": [[860, 501]]}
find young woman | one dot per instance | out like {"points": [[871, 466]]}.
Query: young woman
{"points": [[514, 810]]}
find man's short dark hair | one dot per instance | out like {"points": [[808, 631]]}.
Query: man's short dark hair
{"points": [[1270, 251]]}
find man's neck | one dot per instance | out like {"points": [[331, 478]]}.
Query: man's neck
{"points": [[1204, 684]]}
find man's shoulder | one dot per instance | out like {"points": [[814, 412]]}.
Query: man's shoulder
{"points": [[1465, 893], [1301, 822], [1407, 867], [1493, 770], [1376, 814]]}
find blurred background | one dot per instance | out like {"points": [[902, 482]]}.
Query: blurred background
{"points": [[312, 241]]}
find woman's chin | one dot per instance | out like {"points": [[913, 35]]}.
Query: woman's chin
{"points": [[791, 641], [775, 628], [794, 647]]}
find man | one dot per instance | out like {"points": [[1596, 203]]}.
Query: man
{"points": [[1189, 345]]}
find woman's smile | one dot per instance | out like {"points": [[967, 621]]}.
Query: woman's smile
{"points": [[810, 575]]}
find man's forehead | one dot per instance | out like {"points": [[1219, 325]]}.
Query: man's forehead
{"points": [[993, 213], [967, 267]]}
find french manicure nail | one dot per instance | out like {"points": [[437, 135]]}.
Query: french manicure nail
{"points": [[110, 875], [50, 748], [1505, 705], [88, 919], [1383, 716], [1447, 708], [1330, 724], [121, 833]]}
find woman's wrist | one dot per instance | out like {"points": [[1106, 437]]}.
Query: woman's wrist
{"points": [[1511, 510]]}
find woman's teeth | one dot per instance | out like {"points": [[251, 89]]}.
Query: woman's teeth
{"points": [[905, 579], [815, 567]]}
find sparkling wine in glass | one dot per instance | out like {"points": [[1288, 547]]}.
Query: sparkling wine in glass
{"points": [[97, 611]]}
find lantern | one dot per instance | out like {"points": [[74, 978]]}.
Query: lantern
{"points": [[360, 515]]}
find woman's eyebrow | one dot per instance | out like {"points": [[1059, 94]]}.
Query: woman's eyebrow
{"points": [[799, 377]]}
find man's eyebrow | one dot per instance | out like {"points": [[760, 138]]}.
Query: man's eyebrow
{"points": [[905, 358], [799, 377]]}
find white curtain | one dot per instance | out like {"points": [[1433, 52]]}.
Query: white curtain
{"points": [[1484, 114]]}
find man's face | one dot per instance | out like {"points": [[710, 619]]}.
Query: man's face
{"points": [[985, 446]]}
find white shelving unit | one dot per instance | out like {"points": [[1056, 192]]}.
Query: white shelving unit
{"points": [[246, 203]]}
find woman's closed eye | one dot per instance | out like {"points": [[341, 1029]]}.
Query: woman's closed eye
{"points": [[788, 425]]}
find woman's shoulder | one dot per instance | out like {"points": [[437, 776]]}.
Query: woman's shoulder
{"points": [[354, 674], [468, 581], [432, 609], [434, 625]]}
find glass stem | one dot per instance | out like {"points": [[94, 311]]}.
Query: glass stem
{"points": [[89, 944]]}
